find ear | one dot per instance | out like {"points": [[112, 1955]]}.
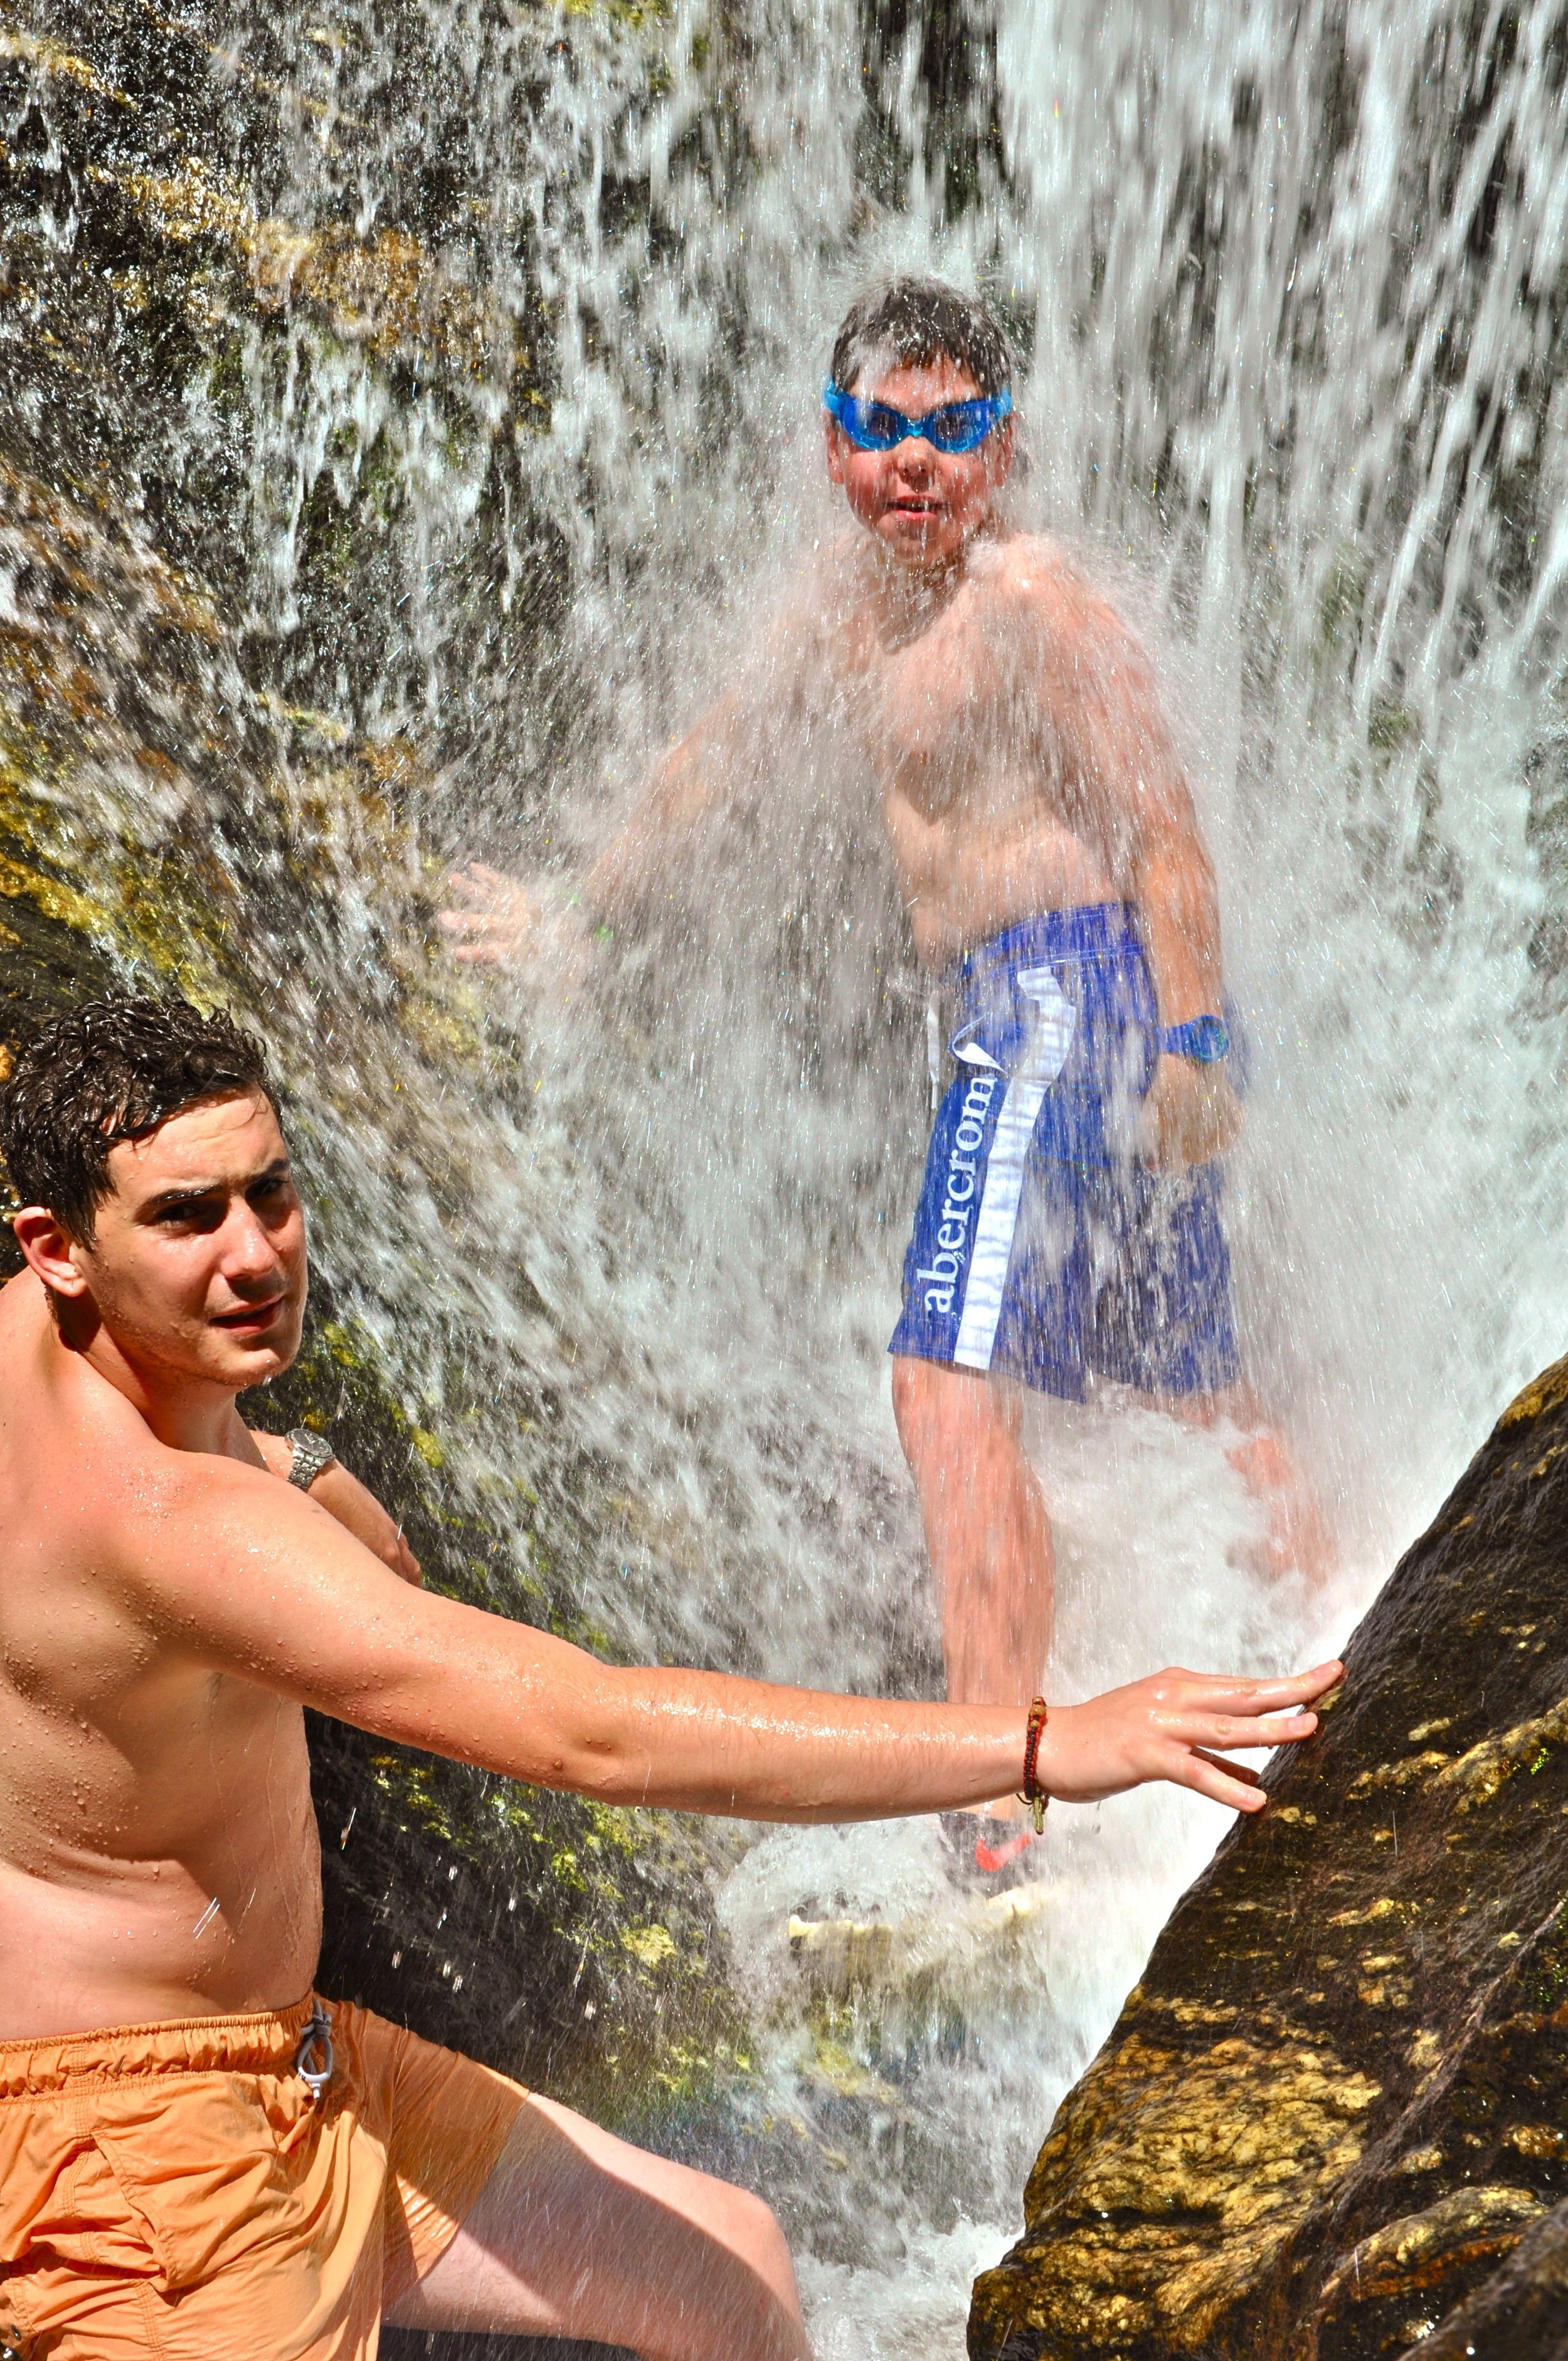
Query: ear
{"points": [[836, 447], [50, 1251]]}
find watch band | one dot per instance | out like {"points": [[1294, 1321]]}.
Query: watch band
{"points": [[312, 1451], [1207, 1039]]}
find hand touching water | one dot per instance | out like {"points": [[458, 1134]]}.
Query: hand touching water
{"points": [[1191, 1115], [497, 920], [1163, 1728]]}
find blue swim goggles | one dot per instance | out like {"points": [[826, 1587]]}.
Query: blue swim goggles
{"points": [[877, 426]]}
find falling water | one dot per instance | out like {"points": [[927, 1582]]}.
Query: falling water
{"points": [[1289, 285]]}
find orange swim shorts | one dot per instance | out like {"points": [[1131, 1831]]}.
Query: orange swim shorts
{"points": [[177, 2192]]}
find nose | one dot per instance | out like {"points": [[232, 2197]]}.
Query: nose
{"points": [[250, 1253], [914, 458]]}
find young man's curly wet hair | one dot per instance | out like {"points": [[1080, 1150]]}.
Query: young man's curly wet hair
{"points": [[106, 1071]]}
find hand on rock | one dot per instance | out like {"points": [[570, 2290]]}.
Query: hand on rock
{"points": [[1163, 1728], [499, 921]]}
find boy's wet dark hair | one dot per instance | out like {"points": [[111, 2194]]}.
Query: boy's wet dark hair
{"points": [[112, 1070], [906, 323]]}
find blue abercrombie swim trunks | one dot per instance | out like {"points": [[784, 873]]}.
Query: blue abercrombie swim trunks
{"points": [[1042, 1250]]}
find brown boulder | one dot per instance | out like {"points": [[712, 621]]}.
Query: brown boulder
{"points": [[1332, 2119]]}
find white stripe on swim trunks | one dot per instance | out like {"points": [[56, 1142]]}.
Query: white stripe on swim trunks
{"points": [[1045, 1055]]}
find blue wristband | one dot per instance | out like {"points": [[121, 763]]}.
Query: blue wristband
{"points": [[1207, 1039]]}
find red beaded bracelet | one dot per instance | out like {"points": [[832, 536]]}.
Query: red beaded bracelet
{"points": [[1032, 1792]]}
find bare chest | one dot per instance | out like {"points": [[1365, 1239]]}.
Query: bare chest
{"points": [[158, 1846], [934, 709], [116, 1742]]}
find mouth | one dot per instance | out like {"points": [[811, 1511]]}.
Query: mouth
{"points": [[250, 1319], [913, 505]]}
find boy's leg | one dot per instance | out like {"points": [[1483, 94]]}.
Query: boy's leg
{"points": [[987, 1530], [1166, 1326], [577, 2234], [1296, 1538]]}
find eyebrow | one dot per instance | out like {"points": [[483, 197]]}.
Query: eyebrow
{"points": [[193, 1192]]}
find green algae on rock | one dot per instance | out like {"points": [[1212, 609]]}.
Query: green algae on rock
{"points": [[1331, 2122], [158, 822]]}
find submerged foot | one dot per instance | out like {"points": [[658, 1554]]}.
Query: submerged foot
{"points": [[1296, 1537], [988, 1856]]}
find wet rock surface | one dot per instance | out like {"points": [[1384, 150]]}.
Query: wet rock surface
{"points": [[159, 825], [209, 780], [280, 623], [1331, 2122]]}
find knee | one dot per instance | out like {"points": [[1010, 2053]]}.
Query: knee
{"points": [[910, 1391], [752, 2231], [758, 2235]]}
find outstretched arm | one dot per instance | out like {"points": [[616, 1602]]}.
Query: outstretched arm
{"points": [[1122, 750], [501, 919], [687, 785], [259, 1582]]}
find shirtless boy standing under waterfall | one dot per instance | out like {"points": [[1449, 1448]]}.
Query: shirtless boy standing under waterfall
{"points": [[1058, 887], [199, 2158]]}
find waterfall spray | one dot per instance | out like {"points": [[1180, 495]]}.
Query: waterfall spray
{"points": [[483, 397]]}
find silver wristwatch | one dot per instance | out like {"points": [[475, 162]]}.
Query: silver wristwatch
{"points": [[312, 1453]]}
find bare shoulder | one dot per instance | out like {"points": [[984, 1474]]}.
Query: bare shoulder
{"points": [[187, 1505], [83, 1481], [777, 644], [151, 1513], [1039, 574], [53, 1423], [87, 1478], [218, 1563]]}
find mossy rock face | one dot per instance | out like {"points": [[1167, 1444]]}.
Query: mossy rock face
{"points": [[161, 824], [1332, 2118], [273, 287], [276, 363]]}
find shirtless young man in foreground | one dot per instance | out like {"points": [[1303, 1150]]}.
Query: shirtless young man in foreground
{"points": [[1059, 890], [198, 2157]]}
